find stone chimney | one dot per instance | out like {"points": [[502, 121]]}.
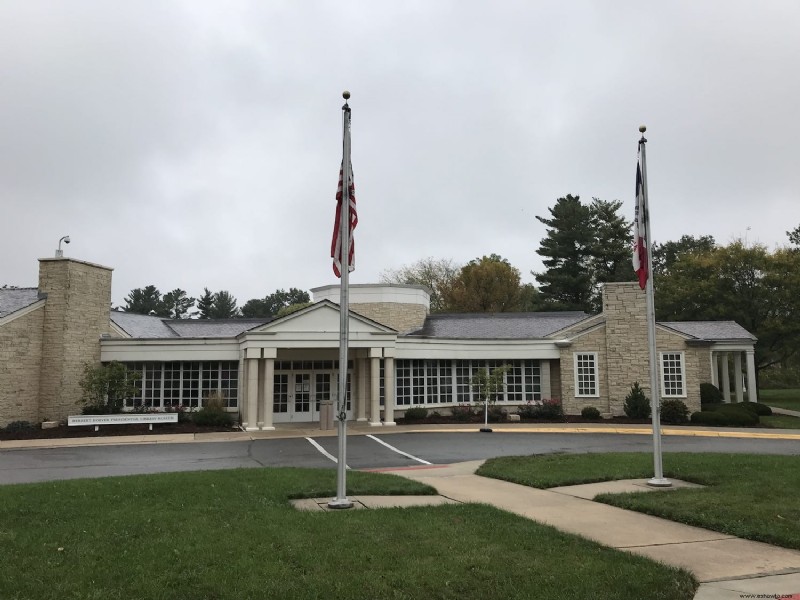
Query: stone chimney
{"points": [[75, 315]]}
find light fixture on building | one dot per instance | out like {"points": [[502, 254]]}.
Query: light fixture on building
{"points": [[60, 252]]}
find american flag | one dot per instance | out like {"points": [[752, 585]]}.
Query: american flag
{"points": [[336, 243], [640, 240]]}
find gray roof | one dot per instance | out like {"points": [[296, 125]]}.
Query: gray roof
{"points": [[146, 326], [497, 325], [213, 328], [14, 299], [710, 330], [142, 326]]}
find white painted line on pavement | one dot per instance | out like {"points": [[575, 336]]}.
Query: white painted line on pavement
{"points": [[406, 454], [325, 452]]}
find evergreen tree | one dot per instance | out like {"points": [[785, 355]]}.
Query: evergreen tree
{"points": [[224, 306], [146, 301], [794, 236], [205, 304], [566, 284], [177, 303], [610, 248]]}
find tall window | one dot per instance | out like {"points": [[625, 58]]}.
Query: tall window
{"points": [[586, 374], [164, 384], [672, 381]]}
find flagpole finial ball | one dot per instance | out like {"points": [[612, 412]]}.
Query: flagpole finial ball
{"points": [[346, 95], [642, 128]]}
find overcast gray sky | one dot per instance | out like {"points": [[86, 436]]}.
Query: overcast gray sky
{"points": [[196, 143]]}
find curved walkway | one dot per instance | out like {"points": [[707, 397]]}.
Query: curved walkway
{"points": [[727, 567]]}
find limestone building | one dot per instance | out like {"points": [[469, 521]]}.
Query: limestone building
{"points": [[274, 371]]}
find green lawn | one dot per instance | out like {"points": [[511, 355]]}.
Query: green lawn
{"points": [[780, 422], [789, 399], [749, 496], [233, 535]]}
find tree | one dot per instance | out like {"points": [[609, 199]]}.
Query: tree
{"points": [[205, 304], [219, 305], [610, 248], [487, 284], [146, 301], [272, 304], [748, 284], [566, 284], [665, 255], [287, 310], [436, 274], [106, 387], [177, 303], [224, 306], [488, 385], [794, 236]]}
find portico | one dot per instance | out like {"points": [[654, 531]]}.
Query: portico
{"points": [[726, 360]]}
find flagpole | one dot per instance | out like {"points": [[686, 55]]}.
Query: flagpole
{"points": [[341, 500], [658, 479]]}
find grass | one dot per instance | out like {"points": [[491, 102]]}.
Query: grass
{"points": [[780, 422], [788, 399], [749, 496], [232, 535]]}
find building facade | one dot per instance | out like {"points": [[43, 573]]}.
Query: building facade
{"points": [[285, 370]]}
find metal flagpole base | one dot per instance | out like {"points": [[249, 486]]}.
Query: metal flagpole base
{"points": [[340, 503], [659, 482]]}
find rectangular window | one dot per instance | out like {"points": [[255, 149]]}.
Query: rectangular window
{"points": [[586, 374], [672, 384], [403, 387]]}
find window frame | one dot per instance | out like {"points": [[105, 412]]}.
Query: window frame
{"points": [[681, 373], [595, 374]]}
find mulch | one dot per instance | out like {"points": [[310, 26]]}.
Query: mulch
{"points": [[81, 431]]}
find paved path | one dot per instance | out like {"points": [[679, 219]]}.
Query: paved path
{"points": [[726, 566]]}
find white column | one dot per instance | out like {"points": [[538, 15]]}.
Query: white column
{"points": [[388, 383], [361, 389], [738, 374], [544, 378], [252, 393], [268, 393], [714, 368], [726, 381], [375, 389], [752, 394]]}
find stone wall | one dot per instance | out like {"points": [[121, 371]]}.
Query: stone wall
{"points": [[75, 315], [20, 365], [623, 353], [399, 316]]}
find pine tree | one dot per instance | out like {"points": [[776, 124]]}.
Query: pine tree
{"points": [[146, 301], [610, 249], [566, 283], [224, 306], [178, 303], [205, 304]]}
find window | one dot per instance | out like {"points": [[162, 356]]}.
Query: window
{"points": [[586, 374], [672, 384]]}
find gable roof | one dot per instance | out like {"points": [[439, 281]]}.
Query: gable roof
{"points": [[14, 299], [316, 317], [710, 330], [532, 325]]}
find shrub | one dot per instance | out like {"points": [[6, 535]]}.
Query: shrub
{"points": [[636, 406], [108, 385], [726, 418], [529, 410], [20, 426], [710, 394], [760, 409], [497, 414], [462, 412], [590, 412], [183, 414], [100, 409], [416, 413], [212, 416], [551, 410], [674, 411]]}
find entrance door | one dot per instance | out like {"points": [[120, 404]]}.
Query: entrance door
{"points": [[302, 397], [297, 395]]}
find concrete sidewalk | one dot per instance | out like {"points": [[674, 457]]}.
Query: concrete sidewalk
{"points": [[726, 566]]}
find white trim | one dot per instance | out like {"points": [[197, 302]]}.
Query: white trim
{"points": [[682, 356], [596, 374]]}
